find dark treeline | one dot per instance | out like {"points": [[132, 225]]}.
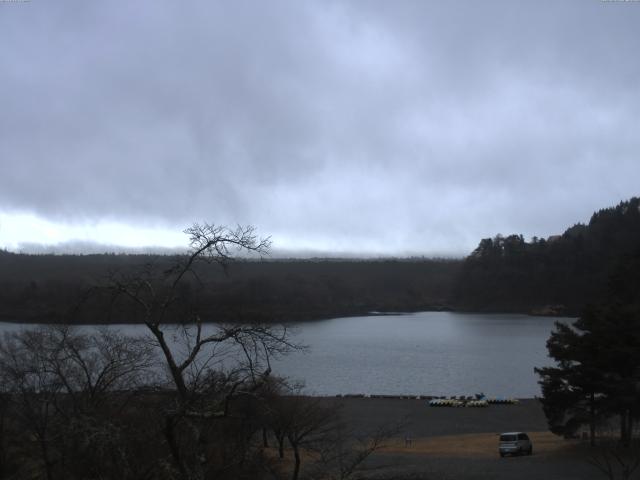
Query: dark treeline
{"points": [[44, 288], [558, 275]]}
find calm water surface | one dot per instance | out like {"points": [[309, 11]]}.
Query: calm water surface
{"points": [[427, 353]]}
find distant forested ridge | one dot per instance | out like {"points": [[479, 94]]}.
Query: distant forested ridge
{"points": [[558, 275], [50, 288], [554, 276]]}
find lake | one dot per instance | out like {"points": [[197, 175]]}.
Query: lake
{"points": [[426, 353]]}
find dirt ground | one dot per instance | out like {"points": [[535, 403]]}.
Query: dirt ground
{"points": [[436, 443]]}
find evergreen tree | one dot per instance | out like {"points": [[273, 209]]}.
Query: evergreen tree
{"points": [[559, 275], [597, 374], [573, 391]]}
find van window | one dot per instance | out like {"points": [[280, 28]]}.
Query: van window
{"points": [[508, 438]]}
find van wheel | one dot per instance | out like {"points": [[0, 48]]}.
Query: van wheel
{"points": [[501, 455], [530, 452]]}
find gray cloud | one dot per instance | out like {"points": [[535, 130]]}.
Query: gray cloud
{"points": [[412, 127]]}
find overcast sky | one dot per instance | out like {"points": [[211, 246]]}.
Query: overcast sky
{"points": [[364, 127]]}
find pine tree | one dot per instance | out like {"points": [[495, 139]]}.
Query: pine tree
{"points": [[597, 373]]}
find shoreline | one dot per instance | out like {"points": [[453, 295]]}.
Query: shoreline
{"points": [[491, 399], [304, 318], [417, 419]]}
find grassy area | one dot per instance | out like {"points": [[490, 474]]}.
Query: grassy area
{"points": [[478, 445]]}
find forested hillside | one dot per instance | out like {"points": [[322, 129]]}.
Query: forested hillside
{"points": [[43, 288], [557, 275]]}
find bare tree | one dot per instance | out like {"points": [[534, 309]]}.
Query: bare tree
{"points": [[315, 431], [312, 424], [208, 365], [90, 366], [55, 379], [345, 457], [34, 389], [308, 424]]}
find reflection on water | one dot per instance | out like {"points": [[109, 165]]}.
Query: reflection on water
{"points": [[427, 353]]}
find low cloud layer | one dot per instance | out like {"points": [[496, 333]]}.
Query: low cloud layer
{"points": [[373, 127]]}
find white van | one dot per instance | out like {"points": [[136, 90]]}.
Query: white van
{"points": [[515, 443]]}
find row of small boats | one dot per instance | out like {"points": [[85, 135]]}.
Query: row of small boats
{"points": [[478, 400], [477, 403]]}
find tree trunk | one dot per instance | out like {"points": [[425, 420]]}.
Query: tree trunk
{"points": [[176, 373], [169, 433], [296, 467], [48, 465], [592, 421], [624, 434], [265, 442], [280, 446]]}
